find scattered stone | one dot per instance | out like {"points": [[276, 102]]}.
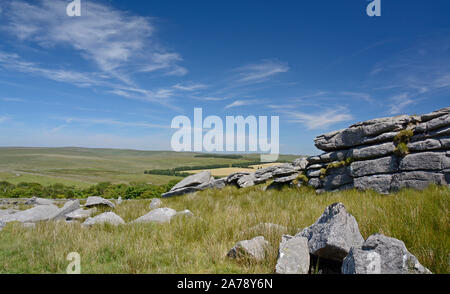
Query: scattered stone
{"points": [[69, 207], [333, 234], [254, 248], [39, 201], [382, 255], [293, 256], [104, 218], [119, 201], [35, 214], [98, 201], [80, 214], [156, 203], [159, 215]]}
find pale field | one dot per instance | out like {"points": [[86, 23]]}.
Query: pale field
{"points": [[224, 172]]}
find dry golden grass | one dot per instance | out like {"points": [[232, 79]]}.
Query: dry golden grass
{"points": [[199, 244]]}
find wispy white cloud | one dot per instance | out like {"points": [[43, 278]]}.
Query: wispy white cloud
{"points": [[3, 119], [358, 95], [9, 99], [112, 122], [238, 103], [400, 102], [189, 87], [261, 71], [116, 41], [322, 120]]}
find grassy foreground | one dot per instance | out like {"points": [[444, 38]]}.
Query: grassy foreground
{"points": [[199, 244]]}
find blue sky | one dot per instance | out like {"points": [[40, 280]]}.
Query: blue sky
{"points": [[116, 76]]}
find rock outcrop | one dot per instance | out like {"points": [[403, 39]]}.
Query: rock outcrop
{"points": [[194, 183], [98, 201], [385, 154]]}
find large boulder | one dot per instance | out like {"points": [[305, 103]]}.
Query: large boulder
{"points": [[159, 215], [254, 248], [382, 255], [35, 214], [333, 234], [194, 180], [98, 201], [293, 256], [69, 206], [104, 218]]}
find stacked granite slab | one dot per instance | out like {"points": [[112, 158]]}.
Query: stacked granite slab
{"points": [[364, 155]]}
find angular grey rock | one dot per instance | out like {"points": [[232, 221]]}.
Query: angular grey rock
{"points": [[35, 214], [119, 201], [382, 255], [284, 171], [98, 201], [69, 207], [159, 215], [233, 178], [334, 156], [385, 165], [104, 218], [286, 179], [185, 212], [254, 248], [314, 160], [422, 161], [445, 142], [439, 122], [39, 201], [194, 180], [435, 114], [418, 180], [156, 203], [378, 183], [213, 184], [180, 192], [374, 151], [80, 214], [315, 183], [337, 177], [313, 173], [301, 163], [333, 234], [293, 256], [426, 145]]}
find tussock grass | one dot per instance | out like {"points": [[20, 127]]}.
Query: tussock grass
{"points": [[199, 244]]}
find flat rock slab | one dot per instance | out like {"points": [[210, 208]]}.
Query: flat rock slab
{"points": [[194, 180], [159, 215], [180, 192], [98, 201], [293, 256], [104, 218], [333, 234], [80, 214], [382, 255], [35, 214], [254, 248]]}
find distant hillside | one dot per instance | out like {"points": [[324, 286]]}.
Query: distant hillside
{"points": [[85, 166]]}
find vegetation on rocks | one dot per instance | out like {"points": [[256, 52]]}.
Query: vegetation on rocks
{"points": [[337, 164], [401, 141]]}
